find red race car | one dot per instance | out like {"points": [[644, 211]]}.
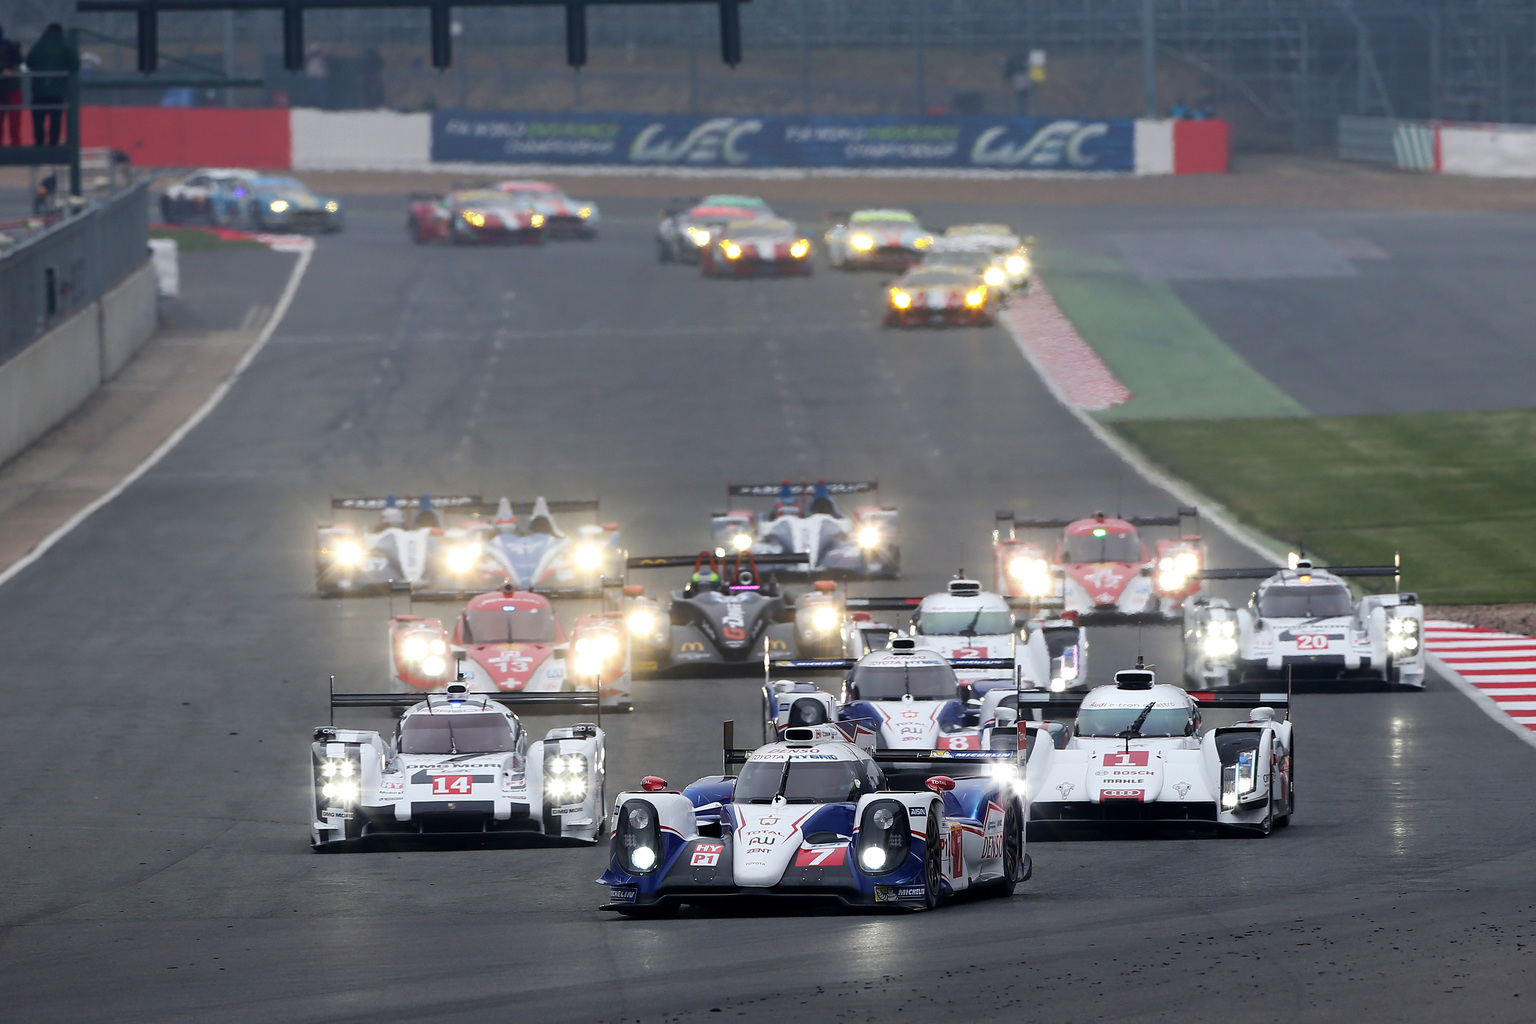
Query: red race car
{"points": [[745, 248], [474, 216]]}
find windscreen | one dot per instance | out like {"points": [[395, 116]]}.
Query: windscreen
{"points": [[1114, 721], [760, 229], [893, 682], [965, 623], [938, 277], [805, 782], [978, 260], [1281, 602], [1112, 547], [509, 624], [426, 733]]}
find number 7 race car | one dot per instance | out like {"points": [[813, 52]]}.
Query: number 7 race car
{"points": [[1304, 623], [820, 818], [458, 763]]}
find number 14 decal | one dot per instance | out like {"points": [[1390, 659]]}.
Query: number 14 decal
{"points": [[452, 785]]}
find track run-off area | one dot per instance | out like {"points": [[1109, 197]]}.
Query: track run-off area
{"points": [[167, 660]]}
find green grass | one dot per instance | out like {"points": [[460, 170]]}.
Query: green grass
{"points": [[1174, 365], [192, 239], [1454, 492]]}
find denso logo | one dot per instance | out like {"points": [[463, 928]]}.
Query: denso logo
{"points": [[714, 141], [1058, 142]]}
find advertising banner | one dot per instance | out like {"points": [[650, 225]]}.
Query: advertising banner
{"points": [[976, 142]]}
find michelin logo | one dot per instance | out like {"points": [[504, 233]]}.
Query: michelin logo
{"points": [[1057, 145], [717, 140]]}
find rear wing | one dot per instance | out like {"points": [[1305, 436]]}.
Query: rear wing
{"points": [[884, 604], [673, 561], [772, 490], [1006, 519], [441, 502], [842, 664], [1064, 703], [733, 756], [568, 699], [1266, 573]]}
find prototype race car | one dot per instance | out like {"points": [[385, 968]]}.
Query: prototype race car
{"points": [[884, 239], [190, 200], [511, 641], [1303, 623], [816, 817], [866, 544], [524, 545], [1136, 754], [1001, 241], [470, 216], [685, 231], [277, 204], [1100, 568], [943, 295], [745, 248], [563, 217], [391, 553], [458, 763]]}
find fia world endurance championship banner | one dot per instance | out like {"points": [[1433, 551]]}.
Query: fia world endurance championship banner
{"points": [[638, 140]]}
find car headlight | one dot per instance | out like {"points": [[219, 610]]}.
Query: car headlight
{"points": [[884, 837], [975, 297], [900, 299], [566, 777], [869, 537], [731, 250], [698, 236], [474, 218], [601, 646], [994, 277], [588, 557], [1032, 575], [349, 553], [642, 622], [1017, 264], [643, 858], [332, 206], [462, 558], [922, 243], [800, 248], [1219, 644], [741, 541], [340, 792], [1187, 562], [278, 206], [537, 220], [584, 212], [433, 665], [343, 767], [824, 619], [414, 648], [863, 243]]}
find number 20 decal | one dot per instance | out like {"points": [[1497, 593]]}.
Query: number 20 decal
{"points": [[1311, 641]]}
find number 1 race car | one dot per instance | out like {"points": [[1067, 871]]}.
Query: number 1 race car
{"points": [[883, 239], [458, 763], [1304, 623], [474, 216], [1136, 754], [928, 295], [818, 818], [864, 545], [744, 248], [1100, 568]]}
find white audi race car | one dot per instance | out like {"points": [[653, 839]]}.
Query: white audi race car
{"points": [[821, 818], [1303, 623], [458, 763], [1136, 754], [865, 544]]}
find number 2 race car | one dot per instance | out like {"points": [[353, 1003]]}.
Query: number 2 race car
{"points": [[818, 818], [458, 763], [865, 544], [1304, 623]]}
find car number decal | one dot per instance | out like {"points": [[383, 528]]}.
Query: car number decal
{"points": [[821, 856], [452, 785], [1127, 759], [1311, 641]]}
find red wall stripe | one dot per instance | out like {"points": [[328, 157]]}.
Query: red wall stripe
{"points": [[192, 136]]}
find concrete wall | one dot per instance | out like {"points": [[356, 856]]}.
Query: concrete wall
{"points": [[50, 378], [1489, 151], [375, 140]]}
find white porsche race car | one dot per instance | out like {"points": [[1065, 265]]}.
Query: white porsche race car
{"points": [[1304, 623], [458, 763]]}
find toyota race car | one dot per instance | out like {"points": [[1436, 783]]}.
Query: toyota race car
{"points": [[687, 227], [524, 545], [820, 818], [1100, 568], [511, 641], [1136, 754], [471, 216], [190, 200], [951, 295], [1304, 623], [395, 552], [458, 763], [886, 239], [756, 247], [1000, 240], [865, 545], [562, 216]]}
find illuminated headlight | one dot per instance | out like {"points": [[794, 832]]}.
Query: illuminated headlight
{"points": [[799, 249], [741, 541], [566, 777], [642, 622], [698, 236], [900, 299], [1005, 773], [462, 558], [869, 537], [1239, 780], [975, 297], [537, 220], [994, 277], [588, 557], [278, 206], [584, 212], [332, 206], [1017, 265], [1058, 685], [1218, 646], [643, 857], [872, 859], [863, 243], [824, 619], [731, 249], [922, 242], [1032, 575], [1187, 562], [433, 665], [474, 218], [601, 646], [340, 792], [343, 768], [1402, 635], [349, 553], [1168, 579], [414, 648]]}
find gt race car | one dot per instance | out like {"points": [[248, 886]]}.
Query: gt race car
{"points": [[865, 544], [684, 233], [190, 200], [818, 818], [511, 641], [561, 216], [945, 295], [1100, 568], [754, 248], [965, 254], [523, 545], [876, 239], [1136, 754], [474, 216], [396, 551], [1002, 242], [1303, 623], [458, 762], [277, 204]]}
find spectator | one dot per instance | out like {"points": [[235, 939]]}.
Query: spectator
{"points": [[51, 53], [10, 90], [1179, 111], [43, 197]]}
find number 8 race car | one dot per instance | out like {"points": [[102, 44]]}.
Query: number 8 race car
{"points": [[818, 817]]}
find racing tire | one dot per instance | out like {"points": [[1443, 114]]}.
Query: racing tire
{"points": [[655, 912], [1013, 851], [933, 863]]}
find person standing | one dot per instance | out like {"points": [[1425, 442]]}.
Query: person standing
{"points": [[10, 91], [51, 53]]}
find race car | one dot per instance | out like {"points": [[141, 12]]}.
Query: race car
{"points": [[1100, 568], [394, 552], [817, 817], [277, 204], [1136, 754], [524, 545], [458, 763], [883, 239], [511, 641], [866, 544], [563, 217], [470, 216], [1001, 241], [756, 247], [685, 231], [944, 295], [189, 201], [1303, 623]]}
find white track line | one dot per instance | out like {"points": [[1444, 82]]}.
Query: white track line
{"points": [[278, 311]]}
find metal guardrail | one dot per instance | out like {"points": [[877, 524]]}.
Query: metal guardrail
{"points": [[66, 267]]}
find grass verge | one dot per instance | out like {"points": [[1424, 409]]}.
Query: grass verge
{"points": [[1454, 492], [194, 239]]}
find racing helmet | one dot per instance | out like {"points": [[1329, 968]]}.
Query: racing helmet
{"points": [[704, 576], [392, 515]]}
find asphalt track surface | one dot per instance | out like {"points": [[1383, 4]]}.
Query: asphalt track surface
{"points": [[166, 662]]}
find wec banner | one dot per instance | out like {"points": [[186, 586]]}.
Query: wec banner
{"points": [[981, 143]]}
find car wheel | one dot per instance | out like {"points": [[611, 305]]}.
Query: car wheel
{"points": [[933, 864], [1013, 851]]}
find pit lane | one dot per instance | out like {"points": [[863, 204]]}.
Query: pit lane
{"points": [[167, 660]]}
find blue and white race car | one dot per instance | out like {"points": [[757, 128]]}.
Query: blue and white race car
{"points": [[865, 544], [819, 817], [523, 545]]}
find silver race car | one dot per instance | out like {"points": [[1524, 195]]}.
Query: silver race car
{"points": [[864, 544]]}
